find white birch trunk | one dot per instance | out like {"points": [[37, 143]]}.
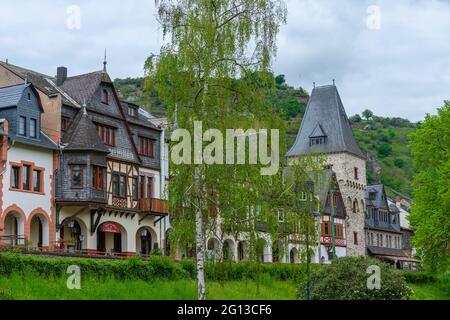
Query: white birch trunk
{"points": [[200, 253]]}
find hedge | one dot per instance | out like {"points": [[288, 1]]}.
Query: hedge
{"points": [[146, 269], [419, 277]]}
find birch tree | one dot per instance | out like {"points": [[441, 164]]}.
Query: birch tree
{"points": [[215, 67]]}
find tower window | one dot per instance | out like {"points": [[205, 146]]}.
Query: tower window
{"points": [[356, 173], [317, 140]]}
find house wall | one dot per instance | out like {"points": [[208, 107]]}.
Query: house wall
{"points": [[25, 200], [130, 224]]}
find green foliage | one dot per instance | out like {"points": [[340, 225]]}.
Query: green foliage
{"points": [[346, 279], [419, 277], [367, 114], [34, 287], [430, 217], [132, 268]]}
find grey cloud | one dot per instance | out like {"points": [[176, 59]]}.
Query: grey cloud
{"points": [[403, 69]]}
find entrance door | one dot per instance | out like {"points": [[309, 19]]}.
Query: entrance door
{"points": [[117, 242], [41, 233], [146, 244], [101, 241]]}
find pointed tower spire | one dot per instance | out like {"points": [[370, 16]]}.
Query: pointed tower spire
{"points": [[104, 62], [325, 127]]}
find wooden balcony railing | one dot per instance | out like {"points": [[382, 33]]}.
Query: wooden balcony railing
{"points": [[153, 205]]}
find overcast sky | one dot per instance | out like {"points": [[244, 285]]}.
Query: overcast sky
{"points": [[392, 57]]}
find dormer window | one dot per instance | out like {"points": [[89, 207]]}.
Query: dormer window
{"points": [[317, 140], [372, 195], [105, 96], [33, 125], [318, 136], [29, 96], [132, 111], [22, 126]]}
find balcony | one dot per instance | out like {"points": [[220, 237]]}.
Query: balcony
{"points": [[154, 205]]}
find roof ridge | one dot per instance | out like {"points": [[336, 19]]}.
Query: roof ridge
{"points": [[7, 65]]}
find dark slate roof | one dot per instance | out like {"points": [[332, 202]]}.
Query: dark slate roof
{"points": [[82, 87], [36, 78], [10, 96], [325, 114], [388, 228], [82, 135], [378, 202], [141, 118], [381, 251], [43, 141]]}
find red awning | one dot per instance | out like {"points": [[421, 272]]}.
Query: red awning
{"points": [[110, 227]]}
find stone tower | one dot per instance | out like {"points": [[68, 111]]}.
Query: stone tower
{"points": [[325, 129]]}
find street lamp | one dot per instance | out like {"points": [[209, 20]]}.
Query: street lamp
{"points": [[315, 214], [333, 236]]}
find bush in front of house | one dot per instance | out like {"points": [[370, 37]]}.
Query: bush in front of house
{"points": [[347, 277], [135, 268], [132, 268], [419, 277]]}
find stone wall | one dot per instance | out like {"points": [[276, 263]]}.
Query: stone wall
{"points": [[343, 164]]}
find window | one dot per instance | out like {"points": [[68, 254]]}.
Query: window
{"points": [[26, 177], [107, 134], [356, 173], [29, 96], [372, 195], [105, 96], [326, 228], [22, 126], [97, 178], [76, 176], [317, 140], [355, 237], [339, 231], [146, 147], [149, 187], [64, 124], [280, 215], [37, 180], [33, 123], [142, 186], [15, 173], [303, 196], [132, 111], [119, 185], [122, 186], [135, 188]]}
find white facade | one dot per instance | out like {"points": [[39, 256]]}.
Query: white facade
{"points": [[27, 214]]}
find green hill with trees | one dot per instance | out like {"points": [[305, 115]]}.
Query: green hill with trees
{"points": [[386, 140]]}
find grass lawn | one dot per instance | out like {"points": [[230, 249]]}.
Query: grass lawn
{"points": [[429, 291], [37, 288]]}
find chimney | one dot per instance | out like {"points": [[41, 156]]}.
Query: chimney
{"points": [[61, 75]]}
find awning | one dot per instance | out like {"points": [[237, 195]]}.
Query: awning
{"points": [[110, 227]]}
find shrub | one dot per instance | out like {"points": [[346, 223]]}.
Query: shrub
{"points": [[132, 268], [418, 277], [346, 279], [6, 294], [135, 268]]}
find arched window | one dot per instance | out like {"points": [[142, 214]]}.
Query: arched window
{"points": [[355, 206]]}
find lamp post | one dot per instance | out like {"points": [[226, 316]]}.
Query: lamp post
{"points": [[333, 231], [308, 257]]}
